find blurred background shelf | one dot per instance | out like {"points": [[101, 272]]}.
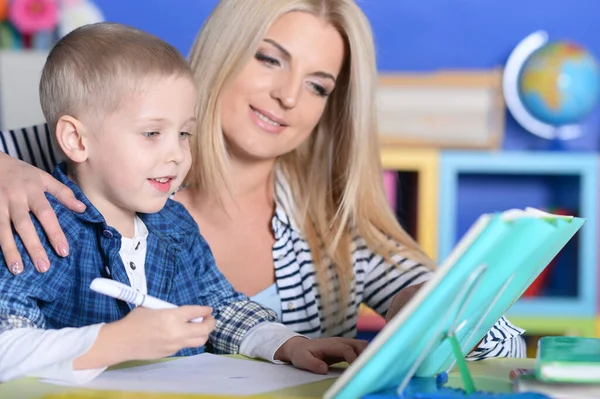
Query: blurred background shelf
{"points": [[585, 327], [454, 187], [472, 183], [20, 73], [412, 186]]}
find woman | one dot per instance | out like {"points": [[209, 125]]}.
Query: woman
{"points": [[286, 183]]}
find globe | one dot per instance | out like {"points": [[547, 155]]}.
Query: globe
{"points": [[551, 87], [559, 83]]}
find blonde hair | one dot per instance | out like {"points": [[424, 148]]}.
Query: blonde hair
{"points": [[90, 69], [336, 175]]}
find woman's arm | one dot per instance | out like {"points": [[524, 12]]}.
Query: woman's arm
{"points": [[388, 287], [22, 188]]}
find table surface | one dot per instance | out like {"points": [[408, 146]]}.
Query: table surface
{"points": [[489, 375]]}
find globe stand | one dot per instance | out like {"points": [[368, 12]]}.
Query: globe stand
{"points": [[560, 135], [556, 145]]}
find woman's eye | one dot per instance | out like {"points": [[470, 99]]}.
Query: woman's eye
{"points": [[319, 90], [266, 59], [184, 135]]}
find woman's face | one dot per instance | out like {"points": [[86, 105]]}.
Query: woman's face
{"points": [[273, 105]]}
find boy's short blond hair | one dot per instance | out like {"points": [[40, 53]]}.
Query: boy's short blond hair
{"points": [[90, 69]]}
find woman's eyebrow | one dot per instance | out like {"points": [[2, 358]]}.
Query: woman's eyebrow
{"points": [[279, 47], [288, 56]]}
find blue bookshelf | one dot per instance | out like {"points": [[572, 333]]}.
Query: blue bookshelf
{"points": [[472, 183]]}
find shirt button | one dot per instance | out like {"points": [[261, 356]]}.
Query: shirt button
{"points": [[291, 306], [107, 270], [107, 234], [132, 265], [280, 257]]}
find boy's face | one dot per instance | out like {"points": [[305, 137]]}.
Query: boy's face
{"points": [[141, 153]]}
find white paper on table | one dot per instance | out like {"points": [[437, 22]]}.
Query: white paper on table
{"points": [[207, 374]]}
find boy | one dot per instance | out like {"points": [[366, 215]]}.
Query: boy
{"points": [[122, 105]]}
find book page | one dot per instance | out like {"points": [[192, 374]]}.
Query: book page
{"points": [[207, 374]]}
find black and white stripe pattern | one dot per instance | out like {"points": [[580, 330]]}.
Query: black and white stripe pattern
{"points": [[376, 281], [32, 145]]}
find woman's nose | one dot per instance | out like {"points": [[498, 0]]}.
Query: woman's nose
{"points": [[287, 91]]}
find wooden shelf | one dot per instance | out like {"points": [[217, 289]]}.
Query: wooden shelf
{"points": [[424, 162]]}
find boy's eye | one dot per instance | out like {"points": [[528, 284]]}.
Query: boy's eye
{"points": [[150, 135]]}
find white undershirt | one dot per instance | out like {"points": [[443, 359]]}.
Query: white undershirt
{"points": [[49, 354], [133, 254]]}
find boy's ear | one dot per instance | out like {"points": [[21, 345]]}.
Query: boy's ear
{"points": [[70, 135]]}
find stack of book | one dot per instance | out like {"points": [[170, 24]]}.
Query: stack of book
{"points": [[565, 368]]}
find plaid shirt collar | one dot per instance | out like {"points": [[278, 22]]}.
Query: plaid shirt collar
{"points": [[165, 224]]}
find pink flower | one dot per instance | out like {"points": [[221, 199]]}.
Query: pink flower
{"points": [[31, 16]]}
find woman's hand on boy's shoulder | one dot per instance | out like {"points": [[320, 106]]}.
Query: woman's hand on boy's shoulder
{"points": [[317, 354], [22, 188]]}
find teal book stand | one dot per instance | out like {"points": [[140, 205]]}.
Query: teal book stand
{"points": [[489, 269]]}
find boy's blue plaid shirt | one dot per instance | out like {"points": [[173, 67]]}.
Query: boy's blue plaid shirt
{"points": [[179, 268]]}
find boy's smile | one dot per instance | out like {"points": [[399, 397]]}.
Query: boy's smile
{"points": [[162, 184]]}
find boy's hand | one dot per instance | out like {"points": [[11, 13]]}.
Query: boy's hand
{"points": [[148, 334], [317, 354], [158, 333]]}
